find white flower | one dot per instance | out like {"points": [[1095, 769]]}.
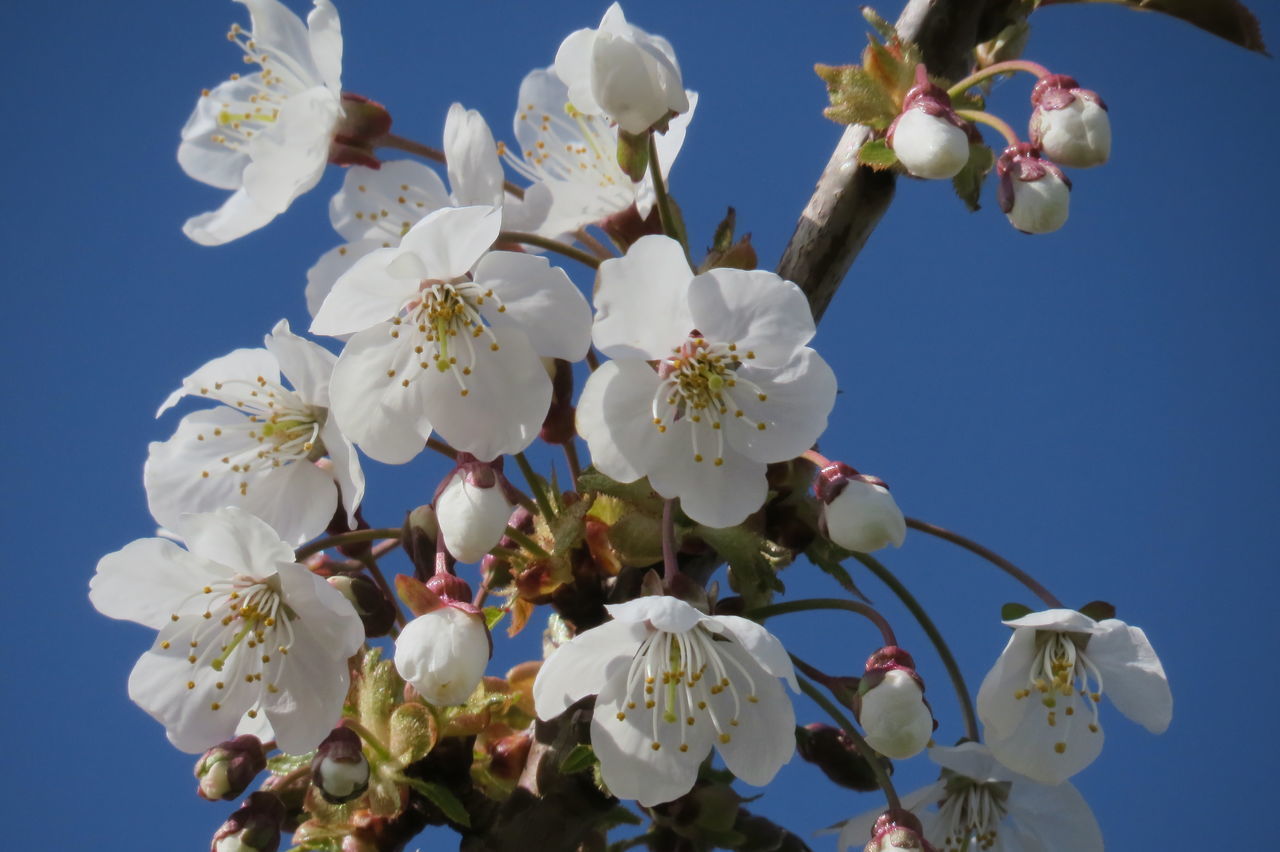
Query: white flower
{"points": [[1039, 703], [979, 804], [449, 337], [266, 135], [472, 517], [622, 72], [735, 387], [1033, 193], [572, 159], [894, 716], [858, 511], [258, 449], [244, 631], [1069, 123], [670, 683], [443, 654], [929, 146]]}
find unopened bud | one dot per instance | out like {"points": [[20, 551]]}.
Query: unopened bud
{"points": [[1069, 124], [255, 827], [508, 756], [558, 426], [472, 515], [898, 829], [443, 653], [831, 750], [377, 612], [226, 770], [930, 140], [891, 707], [340, 770], [858, 511], [1032, 191]]}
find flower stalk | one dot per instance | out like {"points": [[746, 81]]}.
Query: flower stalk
{"points": [[1008, 67], [991, 556], [882, 777], [809, 604]]}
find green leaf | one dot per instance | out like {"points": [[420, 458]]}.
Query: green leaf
{"points": [[827, 555], [1098, 610], [283, 764], [638, 493], [414, 732], [1011, 611], [1228, 19], [492, 615], [879, 24], [877, 155], [753, 561], [968, 184], [581, 757], [442, 797], [856, 97]]}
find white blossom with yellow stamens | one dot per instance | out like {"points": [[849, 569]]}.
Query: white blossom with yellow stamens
{"points": [[448, 336], [671, 683], [244, 632], [734, 387], [266, 135], [258, 450], [1039, 703]]}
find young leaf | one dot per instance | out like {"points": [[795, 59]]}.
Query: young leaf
{"points": [[442, 797], [581, 757], [968, 184], [856, 97], [877, 155]]}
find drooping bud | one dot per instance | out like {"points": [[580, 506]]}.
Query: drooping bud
{"points": [[254, 827], [1032, 191], [226, 770], [419, 539], [509, 754], [890, 705], [858, 512], [356, 136], [377, 611], [340, 771], [831, 750], [1069, 124], [443, 653], [898, 829], [558, 426], [472, 511], [930, 140]]}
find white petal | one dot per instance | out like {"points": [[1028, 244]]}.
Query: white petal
{"points": [[158, 684], [386, 202], [664, 612], [1062, 620], [970, 759], [236, 539], [764, 738], [800, 395], [365, 295], [472, 519], [614, 417], [374, 409], [289, 159], [280, 33], [573, 66], [448, 242], [238, 215], [1040, 206], [1056, 817], [581, 666], [1044, 752], [1132, 675], [201, 156], [897, 722], [714, 495], [762, 645], [443, 654], [331, 266], [642, 301], [999, 710], [240, 365], [148, 579], [540, 300], [929, 146], [864, 518], [325, 36], [346, 468], [755, 309], [475, 172], [306, 365]]}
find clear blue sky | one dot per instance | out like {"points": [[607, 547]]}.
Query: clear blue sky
{"points": [[1099, 404]]}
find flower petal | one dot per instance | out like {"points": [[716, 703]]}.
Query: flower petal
{"points": [[387, 201], [324, 33], [238, 215], [755, 309], [663, 612], [715, 495], [764, 737], [614, 418], [1132, 675], [306, 365], [1062, 620], [236, 539], [573, 66], [365, 295], [475, 172], [642, 302], [147, 579], [763, 646], [581, 666], [539, 299], [799, 397], [331, 266], [999, 710], [1052, 818], [240, 365], [371, 404], [448, 242], [346, 468]]}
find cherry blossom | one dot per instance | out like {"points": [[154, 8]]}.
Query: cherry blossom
{"points": [[448, 336], [670, 683], [266, 135], [735, 387], [1039, 703], [244, 631], [979, 804], [259, 449]]}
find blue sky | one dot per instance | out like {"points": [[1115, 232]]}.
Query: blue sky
{"points": [[1099, 404]]}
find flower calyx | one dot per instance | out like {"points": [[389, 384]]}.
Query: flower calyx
{"points": [[891, 706], [929, 138], [897, 828], [1068, 123], [339, 770], [226, 770], [1033, 192], [254, 827], [858, 512], [363, 124]]}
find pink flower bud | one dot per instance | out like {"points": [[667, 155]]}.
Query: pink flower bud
{"points": [[1070, 124], [895, 717], [443, 653], [226, 770], [254, 827], [931, 141], [898, 829], [858, 511], [1033, 192], [340, 770]]}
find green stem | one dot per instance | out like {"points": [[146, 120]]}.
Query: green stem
{"points": [[598, 248], [990, 120], [352, 537], [575, 464], [808, 604], [369, 739], [663, 201], [872, 756], [991, 556], [525, 542], [550, 245], [536, 486], [931, 630], [998, 68], [442, 448]]}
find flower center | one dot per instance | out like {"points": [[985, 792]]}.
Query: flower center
{"points": [[278, 429], [678, 681], [701, 385], [1059, 672], [971, 813], [444, 323], [241, 639]]}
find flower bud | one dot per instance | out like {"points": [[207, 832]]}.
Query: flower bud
{"points": [[621, 71], [377, 612], [831, 750], [858, 511], [890, 706], [930, 140], [340, 770], [1069, 124], [226, 770], [472, 515], [1033, 192], [509, 754], [443, 653], [558, 426], [898, 829], [255, 827]]}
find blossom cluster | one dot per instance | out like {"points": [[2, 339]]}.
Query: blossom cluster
{"points": [[701, 404]]}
